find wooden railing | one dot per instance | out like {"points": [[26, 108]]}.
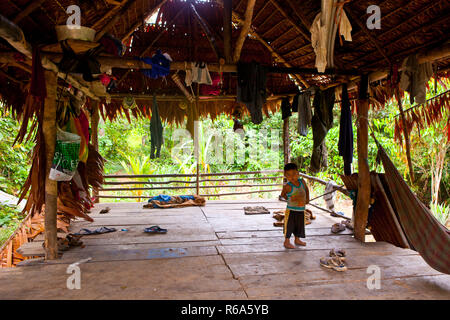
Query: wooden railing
{"points": [[197, 182]]}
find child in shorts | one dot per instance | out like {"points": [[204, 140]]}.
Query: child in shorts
{"points": [[297, 194]]}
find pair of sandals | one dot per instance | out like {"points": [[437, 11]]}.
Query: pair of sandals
{"points": [[155, 229], [335, 261], [338, 227]]}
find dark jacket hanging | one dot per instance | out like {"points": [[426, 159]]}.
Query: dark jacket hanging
{"points": [[156, 131], [285, 109], [322, 121], [346, 132], [304, 112], [251, 88]]}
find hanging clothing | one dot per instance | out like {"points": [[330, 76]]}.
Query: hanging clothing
{"points": [[319, 35], [129, 103], [251, 88], [321, 122], [345, 27], [285, 109], [198, 73], [345, 144], [156, 131], [304, 112], [160, 65], [414, 78]]}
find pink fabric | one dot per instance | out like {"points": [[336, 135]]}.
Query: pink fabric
{"points": [[213, 89]]}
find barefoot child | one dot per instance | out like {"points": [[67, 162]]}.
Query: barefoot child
{"points": [[297, 194]]}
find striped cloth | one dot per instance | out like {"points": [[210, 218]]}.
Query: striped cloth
{"points": [[329, 197], [428, 236]]}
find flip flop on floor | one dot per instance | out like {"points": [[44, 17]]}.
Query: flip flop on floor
{"points": [[155, 229], [86, 232], [334, 263]]}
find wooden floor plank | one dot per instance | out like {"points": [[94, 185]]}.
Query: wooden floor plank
{"points": [[218, 252]]}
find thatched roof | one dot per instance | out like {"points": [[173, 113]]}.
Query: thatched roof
{"points": [[408, 26]]}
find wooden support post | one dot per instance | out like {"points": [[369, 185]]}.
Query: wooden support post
{"points": [[51, 187], [406, 135], [245, 30], [227, 30], [196, 142], [94, 127], [363, 201]]}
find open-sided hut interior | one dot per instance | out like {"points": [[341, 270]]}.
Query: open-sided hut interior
{"points": [[221, 33]]}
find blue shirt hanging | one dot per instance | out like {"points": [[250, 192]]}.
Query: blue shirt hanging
{"points": [[160, 65]]}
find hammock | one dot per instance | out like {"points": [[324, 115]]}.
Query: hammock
{"points": [[423, 231]]}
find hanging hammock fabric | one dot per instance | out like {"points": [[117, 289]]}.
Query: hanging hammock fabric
{"points": [[427, 235]]}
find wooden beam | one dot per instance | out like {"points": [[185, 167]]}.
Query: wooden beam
{"points": [[244, 31], [139, 23], [227, 30], [51, 186], [114, 20], [28, 10], [206, 29], [120, 96], [363, 200]]}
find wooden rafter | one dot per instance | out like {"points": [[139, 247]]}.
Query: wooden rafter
{"points": [[401, 39], [290, 20], [258, 14], [269, 18], [28, 10], [207, 30], [140, 22], [406, 22], [108, 16], [296, 49], [281, 37], [274, 27], [367, 33], [114, 19], [245, 30], [302, 18]]}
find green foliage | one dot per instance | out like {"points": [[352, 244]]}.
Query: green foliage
{"points": [[10, 219], [441, 212], [15, 160]]}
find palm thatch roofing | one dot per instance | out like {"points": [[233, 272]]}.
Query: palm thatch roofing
{"points": [[279, 36]]}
